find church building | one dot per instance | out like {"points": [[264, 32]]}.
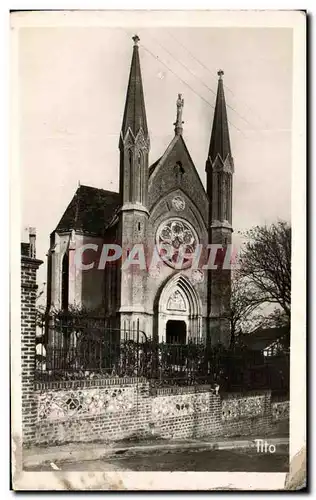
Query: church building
{"points": [[162, 203]]}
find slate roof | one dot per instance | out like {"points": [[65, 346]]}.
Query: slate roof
{"points": [[262, 338], [90, 211]]}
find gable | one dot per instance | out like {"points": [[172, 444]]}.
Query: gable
{"points": [[175, 170]]}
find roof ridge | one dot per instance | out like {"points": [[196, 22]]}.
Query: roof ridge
{"points": [[97, 189]]}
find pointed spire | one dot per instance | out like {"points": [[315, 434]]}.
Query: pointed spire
{"points": [[134, 113], [178, 124], [220, 142]]}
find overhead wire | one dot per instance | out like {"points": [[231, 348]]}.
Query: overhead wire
{"points": [[212, 75], [200, 79], [185, 82]]}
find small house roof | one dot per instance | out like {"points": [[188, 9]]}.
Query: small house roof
{"points": [[262, 338]]}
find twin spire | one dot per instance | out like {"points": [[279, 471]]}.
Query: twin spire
{"points": [[135, 113], [220, 141]]}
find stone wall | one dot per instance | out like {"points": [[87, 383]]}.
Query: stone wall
{"points": [[114, 409], [187, 414], [101, 410], [280, 410], [248, 414]]}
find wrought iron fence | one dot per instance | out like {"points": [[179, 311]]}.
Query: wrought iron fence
{"points": [[72, 348]]}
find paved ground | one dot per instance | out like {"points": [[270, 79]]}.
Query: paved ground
{"points": [[210, 460], [201, 454], [236, 460]]}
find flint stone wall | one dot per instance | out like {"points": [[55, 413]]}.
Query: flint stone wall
{"points": [[246, 414], [280, 410], [115, 409]]}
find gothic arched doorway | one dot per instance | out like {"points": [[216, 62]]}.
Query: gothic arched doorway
{"points": [[179, 311]]}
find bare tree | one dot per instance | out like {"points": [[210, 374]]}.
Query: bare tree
{"points": [[242, 307], [265, 262], [275, 319]]}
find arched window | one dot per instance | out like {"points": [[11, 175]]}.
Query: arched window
{"points": [[230, 198], [65, 282], [225, 196], [219, 196], [131, 177], [140, 174]]}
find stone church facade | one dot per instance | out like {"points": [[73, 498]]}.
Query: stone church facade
{"points": [[164, 203]]}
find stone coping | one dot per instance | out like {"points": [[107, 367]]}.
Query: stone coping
{"points": [[176, 390], [105, 382], [237, 395], [87, 383], [31, 261], [158, 391]]}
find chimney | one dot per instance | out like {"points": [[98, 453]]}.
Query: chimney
{"points": [[32, 240]]}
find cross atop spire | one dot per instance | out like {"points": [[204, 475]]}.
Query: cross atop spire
{"points": [[136, 39], [178, 124], [220, 141], [134, 112]]}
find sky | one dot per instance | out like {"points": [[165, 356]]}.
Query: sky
{"points": [[72, 88]]}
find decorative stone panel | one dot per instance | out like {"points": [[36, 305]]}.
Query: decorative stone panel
{"points": [[280, 410], [246, 414], [60, 405], [237, 408], [174, 406]]}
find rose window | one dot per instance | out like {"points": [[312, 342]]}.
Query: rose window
{"points": [[176, 242]]}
